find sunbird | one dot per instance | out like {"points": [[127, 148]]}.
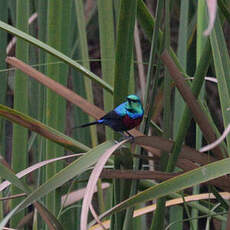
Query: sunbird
{"points": [[124, 117]]}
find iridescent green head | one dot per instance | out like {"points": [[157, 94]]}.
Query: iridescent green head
{"points": [[134, 104], [133, 98]]}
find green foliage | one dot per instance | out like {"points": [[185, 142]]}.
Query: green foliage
{"points": [[88, 46]]}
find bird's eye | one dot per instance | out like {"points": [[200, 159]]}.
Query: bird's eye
{"points": [[131, 110], [132, 100]]}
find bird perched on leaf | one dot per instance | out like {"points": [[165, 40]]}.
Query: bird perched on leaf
{"points": [[124, 117]]}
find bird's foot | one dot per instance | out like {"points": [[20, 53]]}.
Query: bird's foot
{"points": [[124, 137], [130, 136]]}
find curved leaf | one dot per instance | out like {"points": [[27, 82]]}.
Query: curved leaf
{"points": [[56, 53], [42, 129], [76, 168], [186, 180]]}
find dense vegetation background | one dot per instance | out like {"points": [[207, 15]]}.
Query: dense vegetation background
{"points": [[76, 59]]}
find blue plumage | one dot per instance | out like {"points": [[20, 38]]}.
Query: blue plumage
{"points": [[124, 117]]}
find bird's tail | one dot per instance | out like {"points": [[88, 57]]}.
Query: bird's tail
{"points": [[87, 124]]}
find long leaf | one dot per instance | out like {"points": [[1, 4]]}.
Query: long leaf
{"points": [[42, 129], [76, 168], [186, 180], [123, 60], [21, 84], [56, 53], [222, 68]]}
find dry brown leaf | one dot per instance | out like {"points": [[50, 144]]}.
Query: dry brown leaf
{"points": [[32, 168], [77, 195], [185, 91], [94, 176]]}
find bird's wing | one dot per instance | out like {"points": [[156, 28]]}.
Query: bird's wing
{"points": [[112, 115]]}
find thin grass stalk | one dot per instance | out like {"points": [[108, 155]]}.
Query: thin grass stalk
{"points": [[221, 62], [140, 65], [83, 85], [176, 213], [34, 98], [107, 47], [124, 54], [124, 49], [158, 219], [132, 82], [224, 7], [33, 87], [3, 76], [12, 11], [153, 33], [147, 23], [101, 202], [20, 134], [145, 19], [151, 83], [42, 32], [186, 118], [63, 76], [80, 117], [145, 184], [182, 57], [53, 39], [201, 40], [85, 57], [3, 83], [184, 125], [67, 33], [167, 114], [33, 60]]}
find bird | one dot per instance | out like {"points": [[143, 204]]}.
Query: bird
{"points": [[124, 117]]}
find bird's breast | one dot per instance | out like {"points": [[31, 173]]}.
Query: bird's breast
{"points": [[131, 123]]}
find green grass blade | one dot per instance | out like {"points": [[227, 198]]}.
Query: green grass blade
{"points": [[12, 11], [85, 57], [107, 46], [20, 134], [124, 49], [124, 54], [176, 213], [7, 174], [201, 40], [54, 19], [182, 57], [222, 69], [56, 53], [184, 124], [3, 83], [158, 219], [65, 30], [186, 180], [74, 169], [42, 129]]}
